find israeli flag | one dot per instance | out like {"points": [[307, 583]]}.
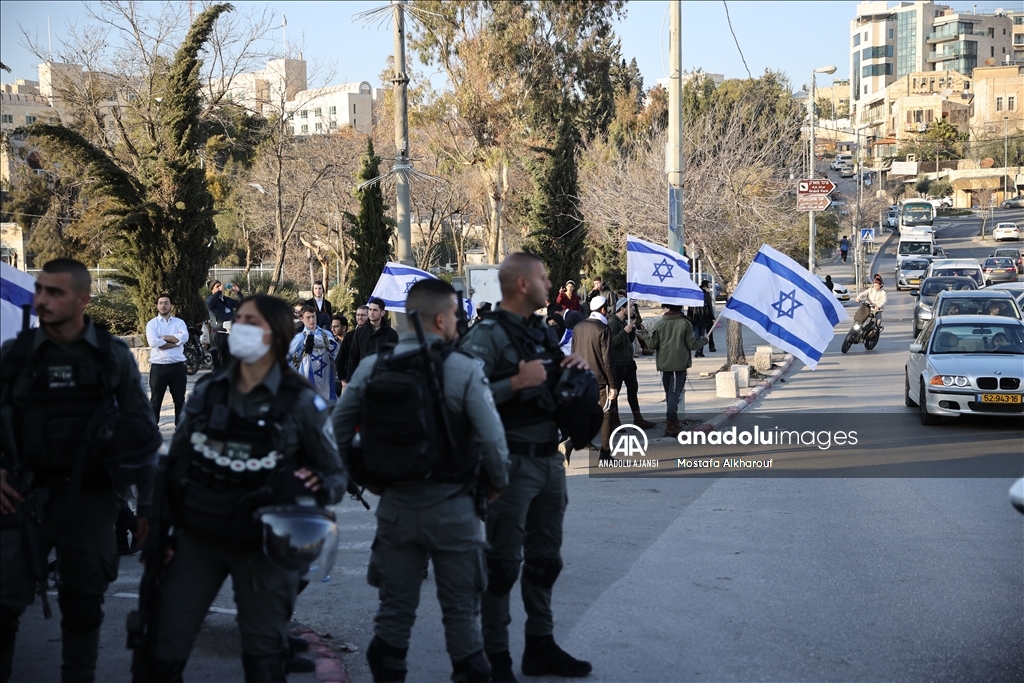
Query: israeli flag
{"points": [[16, 288], [780, 300], [658, 273], [395, 282]]}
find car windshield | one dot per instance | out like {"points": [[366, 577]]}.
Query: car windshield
{"points": [[988, 338], [916, 248], [999, 262], [956, 272], [914, 264], [1009, 253], [953, 305], [932, 287]]}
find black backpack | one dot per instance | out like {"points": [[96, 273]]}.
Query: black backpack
{"points": [[402, 437]]}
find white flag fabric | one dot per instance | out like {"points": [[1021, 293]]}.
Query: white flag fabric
{"points": [[657, 273], [784, 303], [16, 288], [394, 284]]}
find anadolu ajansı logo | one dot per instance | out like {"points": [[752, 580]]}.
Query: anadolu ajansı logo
{"points": [[629, 448]]}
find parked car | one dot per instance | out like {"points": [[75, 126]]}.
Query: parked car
{"points": [[910, 272], [929, 291], [999, 269], [1013, 253], [1005, 231], [966, 365], [982, 302], [841, 292], [1014, 202]]}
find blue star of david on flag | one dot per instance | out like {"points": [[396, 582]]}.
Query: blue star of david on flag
{"points": [[662, 275], [408, 285], [793, 304], [395, 282]]}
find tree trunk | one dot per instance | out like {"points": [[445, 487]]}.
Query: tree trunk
{"points": [[734, 344], [495, 179]]}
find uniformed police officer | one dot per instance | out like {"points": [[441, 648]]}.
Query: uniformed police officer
{"points": [[59, 382], [432, 519], [253, 434], [524, 526]]}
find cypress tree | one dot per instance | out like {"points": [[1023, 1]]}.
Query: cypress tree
{"points": [[371, 230], [557, 235], [163, 212]]}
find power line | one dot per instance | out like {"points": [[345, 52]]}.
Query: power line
{"points": [[736, 40]]}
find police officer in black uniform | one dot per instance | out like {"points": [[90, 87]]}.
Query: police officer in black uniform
{"points": [[62, 384], [254, 434]]}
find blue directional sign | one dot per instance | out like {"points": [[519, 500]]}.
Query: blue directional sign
{"points": [[867, 235]]}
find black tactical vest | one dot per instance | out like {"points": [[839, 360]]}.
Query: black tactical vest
{"points": [[230, 461], [55, 394], [536, 404]]}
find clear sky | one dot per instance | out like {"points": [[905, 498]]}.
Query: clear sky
{"points": [[794, 37]]}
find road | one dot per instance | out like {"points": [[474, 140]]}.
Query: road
{"points": [[901, 562]]}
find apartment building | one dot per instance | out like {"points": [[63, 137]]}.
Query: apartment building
{"points": [[322, 110], [890, 43], [997, 105], [266, 91]]}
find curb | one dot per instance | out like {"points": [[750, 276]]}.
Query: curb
{"points": [[734, 409], [329, 668]]}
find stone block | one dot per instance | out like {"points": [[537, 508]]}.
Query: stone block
{"points": [[725, 384], [142, 358], [763, 359], [742, 375]]}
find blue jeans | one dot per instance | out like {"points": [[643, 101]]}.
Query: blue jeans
{"points": [[674, 384]]}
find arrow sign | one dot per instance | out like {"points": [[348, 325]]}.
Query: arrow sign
{"points": [[812, 202], [815, 186]]}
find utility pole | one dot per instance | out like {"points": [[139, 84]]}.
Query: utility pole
{"points": [[812, 228], [401, 93], [1006, 156], [674, 148]]}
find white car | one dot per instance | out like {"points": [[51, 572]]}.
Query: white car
{"points": [[1006, 231], [841, 292], [967, 365]]}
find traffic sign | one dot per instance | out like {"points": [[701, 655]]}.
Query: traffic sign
{"points": [[815, 186], [812, 202], [867, 235]]}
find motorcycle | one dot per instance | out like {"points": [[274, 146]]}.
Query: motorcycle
{"points": [[865, 330], [195, 356]]}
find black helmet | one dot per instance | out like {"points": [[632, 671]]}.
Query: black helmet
{"points": [[300, 538], [129, 446], [579, 414]]}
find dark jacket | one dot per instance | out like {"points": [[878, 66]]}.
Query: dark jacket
{"points": [[367, 341], [323, 317], [591, 339], [622, 341]]}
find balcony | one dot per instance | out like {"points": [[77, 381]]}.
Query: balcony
{"points": [[952, 54], [942, 36]]}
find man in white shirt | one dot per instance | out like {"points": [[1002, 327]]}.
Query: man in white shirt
{"points": [[166, 336]]}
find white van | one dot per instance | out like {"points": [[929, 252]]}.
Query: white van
{"points": [[918, 245]]}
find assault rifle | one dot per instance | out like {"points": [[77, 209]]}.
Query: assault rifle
{"points": [[437, 390], [142, 622], [30, 513]]}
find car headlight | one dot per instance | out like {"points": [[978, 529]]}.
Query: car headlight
{"points": [[950, 381], [856, 326]]}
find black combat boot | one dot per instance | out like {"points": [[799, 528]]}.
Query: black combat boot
{"points": [[472, 669], [501, 667], [263, 669], [387, 663], [165, 672], [543, 657]]}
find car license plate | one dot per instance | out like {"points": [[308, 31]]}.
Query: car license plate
{"points": [[999, 398], [914, 281]]}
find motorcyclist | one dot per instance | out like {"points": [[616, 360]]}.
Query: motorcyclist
{"points": [[873, 298]]}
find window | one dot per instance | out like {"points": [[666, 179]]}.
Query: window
{"points": [[992, 50], [931, 84], [30, 120], [332, 125], [890, 34], [317, 112], [856, 40], [1011, 103], [332, 111], [305, 128], [967, 85], [999, 104], [865, 90], [353, 109], [865, 36], [304, 114], [877, 52], [354, 124], [319, 128], [991, 32], [877, 70], [8, 118]]}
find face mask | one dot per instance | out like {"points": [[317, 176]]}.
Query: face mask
{"points": [[246, 342]]}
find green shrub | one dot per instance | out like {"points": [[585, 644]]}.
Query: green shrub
{"points": [[115, 311], [286, 289]]}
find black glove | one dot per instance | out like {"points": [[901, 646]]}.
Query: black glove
{"points": [[308, 345]]}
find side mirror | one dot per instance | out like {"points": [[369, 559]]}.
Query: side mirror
{"points": [[914, 292], [915, 348]]}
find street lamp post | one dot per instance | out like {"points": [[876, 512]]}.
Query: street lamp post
{"points": [[812, 228], [1006, 156]]}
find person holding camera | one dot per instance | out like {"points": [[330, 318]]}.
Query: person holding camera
{"points": [[524, 525], [222, 310]]}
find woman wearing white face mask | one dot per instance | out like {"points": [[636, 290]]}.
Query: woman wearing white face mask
{"points": [[254, 434]]}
